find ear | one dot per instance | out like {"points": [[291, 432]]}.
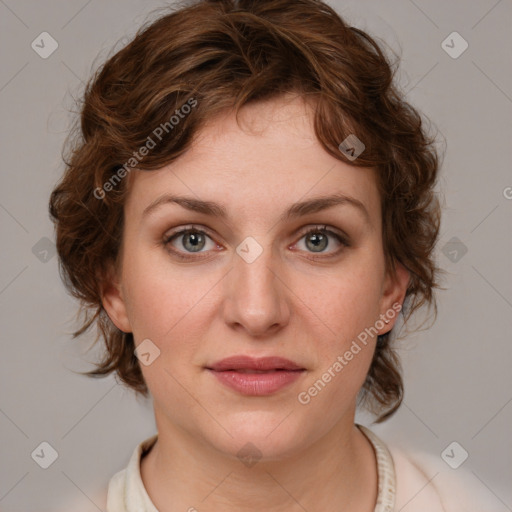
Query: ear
{"points": [[393, 296], [113, 300]]}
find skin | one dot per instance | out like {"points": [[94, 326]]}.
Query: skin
{"points": [[284, 303]]}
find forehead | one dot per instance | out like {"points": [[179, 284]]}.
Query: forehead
{"points": [[267, 161]]}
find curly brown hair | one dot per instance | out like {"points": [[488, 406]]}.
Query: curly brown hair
{"points": [[222, 55]]}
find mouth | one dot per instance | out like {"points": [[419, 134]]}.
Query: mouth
{"points": [[246, 364], [256, 377], [254, 371]]}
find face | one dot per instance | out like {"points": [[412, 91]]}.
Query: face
{"points": [[253, 282]]}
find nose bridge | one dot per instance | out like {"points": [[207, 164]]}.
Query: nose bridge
{"points": [[255, 297], [252, 266]]}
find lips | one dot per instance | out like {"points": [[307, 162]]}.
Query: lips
{"points": [[256, 376], [246, 364]]}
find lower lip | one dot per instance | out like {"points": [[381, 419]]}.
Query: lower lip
{"points": [[257, 384]]}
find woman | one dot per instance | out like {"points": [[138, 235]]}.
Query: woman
{"points": [[246, 211]]}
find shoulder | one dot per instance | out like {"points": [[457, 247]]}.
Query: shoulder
{"points": [[116, 491], [126, 490], [424, 482]]}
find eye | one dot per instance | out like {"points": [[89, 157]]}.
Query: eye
{"points": [[317, 240], [190, 240]]}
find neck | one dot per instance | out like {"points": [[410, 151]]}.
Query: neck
{"points": [[336, 473]]}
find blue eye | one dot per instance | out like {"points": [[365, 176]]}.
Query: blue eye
{"points": [[317, 240], [192, 239], [195, 241]]}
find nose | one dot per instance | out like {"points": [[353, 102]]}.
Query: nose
{"points": [[256, 297]]}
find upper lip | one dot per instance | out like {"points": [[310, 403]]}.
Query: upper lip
{"points": [[242, 362]]}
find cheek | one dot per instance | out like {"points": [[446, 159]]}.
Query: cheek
{"points": [[158, 292], [155, 300], [344, 358], [345, 342], [348, 304]]}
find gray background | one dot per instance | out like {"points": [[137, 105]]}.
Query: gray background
{"points": [[457, 374]]}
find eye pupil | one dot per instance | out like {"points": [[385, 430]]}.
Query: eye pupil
{"points": [[319, 241], [197, 241]]}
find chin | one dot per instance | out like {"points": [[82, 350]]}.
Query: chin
{"points": [[261, 435]]}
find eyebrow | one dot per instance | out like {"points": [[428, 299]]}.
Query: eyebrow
{"points": [[298, 209]]}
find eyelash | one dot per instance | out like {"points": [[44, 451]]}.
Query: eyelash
{"points": [[194, 229]]}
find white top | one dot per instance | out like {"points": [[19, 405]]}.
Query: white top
{"points": [[405, 484]]}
